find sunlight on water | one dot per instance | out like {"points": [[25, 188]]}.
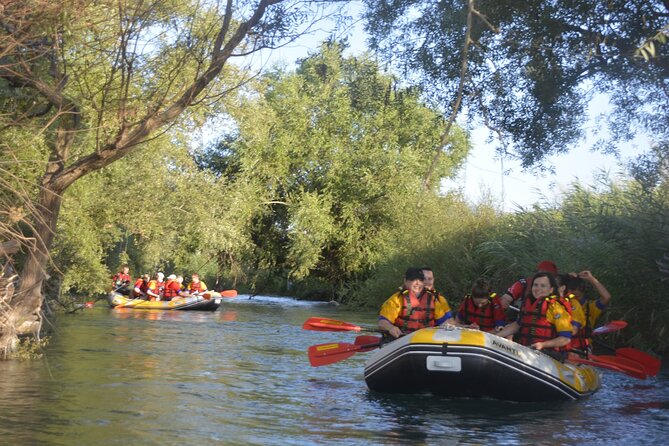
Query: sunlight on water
{"points": [[241, 375]]}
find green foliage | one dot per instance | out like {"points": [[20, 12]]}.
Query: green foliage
{"points": [[532, 67], [338, 151]]}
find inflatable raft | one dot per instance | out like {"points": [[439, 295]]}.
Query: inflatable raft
{"points": [[191, 303], [459, 362]]}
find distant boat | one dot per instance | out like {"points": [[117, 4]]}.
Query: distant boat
{"points": [[206, 302]]}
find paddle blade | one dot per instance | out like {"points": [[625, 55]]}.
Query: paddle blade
{"points": [[627, 366], [633, 372], [610, 327], [650, 364], [324, 324], [324, 354], [363, 340], [229, 293]]}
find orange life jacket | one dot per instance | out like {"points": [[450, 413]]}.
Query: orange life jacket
{"points": [[417, 312], [534, 327], [483, 317], [172, 288], [196, 287], [143, 285], [157, 287]]}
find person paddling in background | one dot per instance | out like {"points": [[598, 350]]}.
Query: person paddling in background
{"points": [[543, 322], [196, 286], [121, 280], [156, 287], [141, 287], [413, 307], [481, 309], [172, 287], [592, 308]]}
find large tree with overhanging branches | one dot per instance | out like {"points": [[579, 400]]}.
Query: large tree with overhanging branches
{"points": [[528, 69], [87, 82]]}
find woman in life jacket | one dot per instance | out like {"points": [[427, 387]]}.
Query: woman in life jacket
{"points": [[543, 321], [413, 307], [481, 309]]}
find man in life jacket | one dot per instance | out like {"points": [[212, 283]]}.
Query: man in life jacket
{"points": [[481, 309], [592, 308], [543, 321], [413, 307], [141, 287], [196, 286], [121, 280], [156, 287], [172, 288]]}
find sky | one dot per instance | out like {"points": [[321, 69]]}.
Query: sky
{"points": [[481, 176]]}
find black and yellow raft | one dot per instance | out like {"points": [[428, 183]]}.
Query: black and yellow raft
{"points": [[457, 362], [207, 302]]}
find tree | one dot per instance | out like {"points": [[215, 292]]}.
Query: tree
{"points": [[528, 69], [86, 83], [338, 151]]}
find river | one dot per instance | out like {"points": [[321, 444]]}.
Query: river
{"points": [[240, 376]]}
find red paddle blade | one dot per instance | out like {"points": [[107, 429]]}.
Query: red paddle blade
{"points": [[229, 293], [629, 367], [633, 372], [610, 327], [364, 340], [323, 354], [324, 324], [650, 364]]}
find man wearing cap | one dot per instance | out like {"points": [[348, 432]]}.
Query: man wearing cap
{"points": [[156, 287], [413, 307], [172, 287]]}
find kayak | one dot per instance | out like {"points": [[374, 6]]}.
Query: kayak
{"points": [[207, 302], [459, 362]]}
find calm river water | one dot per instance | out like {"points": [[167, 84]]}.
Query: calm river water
{"points": [[240, 375]]}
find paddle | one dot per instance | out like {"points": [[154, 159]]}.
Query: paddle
{"points": [[651, 365], [324, 354], [610, 363], [374, 341], [610, 327], [325, 324]]}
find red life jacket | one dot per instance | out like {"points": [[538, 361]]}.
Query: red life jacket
{"points": [[483, 317], [158, 288], [143, 285], [196, 287], [417, 312], [172, 289], [534, 327], [120, 278]]}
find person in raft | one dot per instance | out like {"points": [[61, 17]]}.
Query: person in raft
{"points": [[156, 287], [578, 343], [141, 287], [413, 307], [543, 322], [592, 308], [196, 286], [172, 288], [523, 287], [481, 309], [121, 280]]}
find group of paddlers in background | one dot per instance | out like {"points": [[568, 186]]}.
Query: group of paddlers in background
{"points": [[156, 289], [547, 311]]}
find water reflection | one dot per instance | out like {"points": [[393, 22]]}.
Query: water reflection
{"points": [[240, 375]]}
